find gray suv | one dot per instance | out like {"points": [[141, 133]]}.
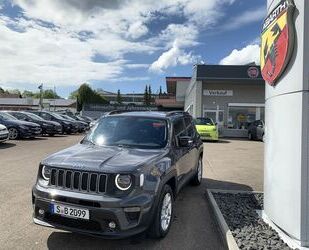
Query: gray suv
{"points": [[122, 178]]}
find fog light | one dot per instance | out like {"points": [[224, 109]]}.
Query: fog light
{"points": [[112, 225], [41, 211]]}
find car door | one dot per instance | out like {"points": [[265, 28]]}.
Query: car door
{"points": [[192, 149], [180, 153]]}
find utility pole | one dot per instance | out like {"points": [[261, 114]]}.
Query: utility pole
{"points": [[41, 96]]}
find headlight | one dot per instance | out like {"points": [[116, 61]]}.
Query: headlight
{"points": [[47, 125], [123, 181], [46, 171]]}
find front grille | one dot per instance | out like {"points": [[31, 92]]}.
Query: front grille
{"points": [[79, 181]]}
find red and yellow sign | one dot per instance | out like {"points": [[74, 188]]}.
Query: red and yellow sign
{"points": [[277, 41]]}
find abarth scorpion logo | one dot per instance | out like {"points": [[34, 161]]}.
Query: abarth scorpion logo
{"points": [[277, 41]]}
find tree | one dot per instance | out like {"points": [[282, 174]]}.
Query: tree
{"points": [[149, 95], [27, 93], [146, 96], [2, 91], [119, 97], [50, 94], [86, 95], [160, 91]]}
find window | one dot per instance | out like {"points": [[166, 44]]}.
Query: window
{"points": [[189, 127], [130, 131], [179, 129]]}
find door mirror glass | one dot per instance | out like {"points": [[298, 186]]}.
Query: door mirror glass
{"points": [[185, 141]]}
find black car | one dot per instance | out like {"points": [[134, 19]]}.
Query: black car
{"points": [[19, 129], [122, 178], [48, 127], [256, 130], [67, 126], [82, 126]]}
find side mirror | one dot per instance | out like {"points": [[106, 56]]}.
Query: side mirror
{"points": [[185, 141]]}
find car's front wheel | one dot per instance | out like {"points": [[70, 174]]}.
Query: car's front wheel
{"points": [[13, 133], [197, 178], [163, 215]]}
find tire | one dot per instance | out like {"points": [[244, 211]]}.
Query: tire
{"points": [[197, 178], [250, 136], [51, 135], [13, 133], [163, 215]]}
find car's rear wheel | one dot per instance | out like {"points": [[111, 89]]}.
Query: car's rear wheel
{"points": [[163, 214], [197, 179], [13, 133]]}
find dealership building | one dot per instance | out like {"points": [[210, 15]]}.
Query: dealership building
{"points": [[233, 96]]}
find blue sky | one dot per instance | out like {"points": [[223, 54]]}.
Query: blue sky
{"points": [[124, 45]]}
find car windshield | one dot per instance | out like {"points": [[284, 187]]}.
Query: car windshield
{"points": [[129, 131], [57, 116], [34, 117], [68, 117], [203, 121], [6, 116]]}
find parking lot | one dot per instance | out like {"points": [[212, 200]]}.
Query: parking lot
{"points": [[231, 164]]}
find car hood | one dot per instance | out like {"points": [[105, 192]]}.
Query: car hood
{"points": [[201, 128], [103, 159], [18, 122]]}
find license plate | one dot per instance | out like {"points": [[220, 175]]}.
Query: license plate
{"points": [[71, 212]]}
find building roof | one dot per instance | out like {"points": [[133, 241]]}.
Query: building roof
{"points": [[171, 82], [229, 72]]}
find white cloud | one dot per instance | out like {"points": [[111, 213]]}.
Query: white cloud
{"points": [[137, 30], [55, 41], [248, 54], [173, 57], [246, 18]]}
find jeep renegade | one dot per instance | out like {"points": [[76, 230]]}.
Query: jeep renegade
{"points": [[122, 178]]}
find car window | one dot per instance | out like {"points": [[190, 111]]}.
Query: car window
{"points": [[6, 116], [179, 128], [189, 127], [46, 116], [203, 121]]}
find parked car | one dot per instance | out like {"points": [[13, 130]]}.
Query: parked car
{"points": [[82, 126], [67, 126], [122, 178], [4, 133], [256, 130], [206, 128], [19, 129], [48, 127]]}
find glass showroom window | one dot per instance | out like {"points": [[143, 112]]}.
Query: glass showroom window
{"points": [[240, 117]]}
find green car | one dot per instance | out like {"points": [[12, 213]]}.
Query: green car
{"points": [[206, 128]]}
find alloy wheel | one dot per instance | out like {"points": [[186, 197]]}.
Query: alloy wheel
{"points": [[13, 133], [166, 211]]}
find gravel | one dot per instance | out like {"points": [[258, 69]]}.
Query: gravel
{"points": [[248, 229]]}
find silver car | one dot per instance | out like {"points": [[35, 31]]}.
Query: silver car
{"points": [[4, 133]]}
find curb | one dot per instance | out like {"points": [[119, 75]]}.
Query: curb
{"points": [[227, 234]]}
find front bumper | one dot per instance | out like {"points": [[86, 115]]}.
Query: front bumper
{"points": [[52, 130], [30, 132], [4, 137], [209, 136], [102, 209]]}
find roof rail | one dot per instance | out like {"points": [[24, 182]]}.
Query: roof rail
{"points": [[113, 112], [170, 113]]}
